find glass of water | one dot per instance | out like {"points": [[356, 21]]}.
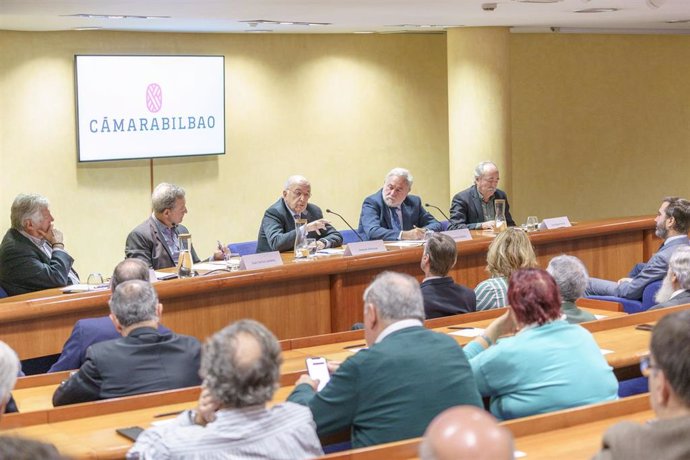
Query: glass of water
{"points": [[532, 223]]}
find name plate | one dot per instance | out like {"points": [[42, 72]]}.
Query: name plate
{"points": [[261, 260], [461, 234], [365, 247], [555, 222]]}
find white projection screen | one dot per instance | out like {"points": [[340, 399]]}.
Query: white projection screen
{"points": [[131, 107]]}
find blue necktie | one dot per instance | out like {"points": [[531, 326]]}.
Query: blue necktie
{"points": [[396, 219]]}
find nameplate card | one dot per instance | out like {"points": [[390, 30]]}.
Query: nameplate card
{"points": [[461, 234], [261, 260], [555, 222], [365, 247]]}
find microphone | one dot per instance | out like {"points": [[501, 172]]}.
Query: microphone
{"points": [[346, 223], [436, 207]]}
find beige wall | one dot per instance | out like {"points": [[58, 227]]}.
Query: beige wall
{"points": [[340, 109], [600, 124]]}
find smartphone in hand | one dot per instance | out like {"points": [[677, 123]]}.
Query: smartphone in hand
{"points": [[318, 370]]}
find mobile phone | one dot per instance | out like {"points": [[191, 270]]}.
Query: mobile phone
{"points": [[644, 327], [318, 369], [131, 432]]}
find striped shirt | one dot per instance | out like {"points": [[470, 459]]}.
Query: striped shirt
{"points": [[285, 431], [492, 293]]}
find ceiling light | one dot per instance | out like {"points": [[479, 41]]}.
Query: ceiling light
{"points": [[597, 10], [678, 21], [538, 1]]}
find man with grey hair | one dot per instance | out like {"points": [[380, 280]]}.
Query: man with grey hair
{"points": [[474, 208], [143, 360], [241, 371], [406, 376], [277, 231], [9, 368], [156, 240], [571, 277], [32, 253], [675, 289], [393, 214]]}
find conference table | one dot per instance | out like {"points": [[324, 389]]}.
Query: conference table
{"points": [[321, 296]]}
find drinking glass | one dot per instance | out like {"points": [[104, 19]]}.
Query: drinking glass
{"points": [[94, 279], [532, 223]]}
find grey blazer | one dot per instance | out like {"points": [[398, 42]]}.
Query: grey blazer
{"points": [[146, 243], [466, 209]]}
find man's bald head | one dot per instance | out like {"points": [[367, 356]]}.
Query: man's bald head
{"points": [[466, 433], [127, 270]]}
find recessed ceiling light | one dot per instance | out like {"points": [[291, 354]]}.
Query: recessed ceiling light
{"points": [[538, 1], [87, 28], [111, 16], [597, 10], [678, 21], [258, 31], [364, 32]]}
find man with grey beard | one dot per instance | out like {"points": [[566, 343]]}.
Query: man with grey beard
{"points": [[675, 289]]}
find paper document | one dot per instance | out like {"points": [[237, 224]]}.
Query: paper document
{"points": [[84, 288], [405, 243], [604, 351], [165, 275], [472, 332], [330, 251], [600, 316]]}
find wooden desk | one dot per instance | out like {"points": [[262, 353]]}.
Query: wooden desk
{"points": [[305, 299]]}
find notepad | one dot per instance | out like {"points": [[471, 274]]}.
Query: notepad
{"points": [[473, 332]]}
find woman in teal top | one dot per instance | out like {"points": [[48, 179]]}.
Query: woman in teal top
{"points": [[548, 364]]}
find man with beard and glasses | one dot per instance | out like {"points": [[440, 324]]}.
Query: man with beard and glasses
{"points": [[675, 289], [672, 223]]}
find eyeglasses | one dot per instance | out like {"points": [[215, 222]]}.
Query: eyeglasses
{"points": [[646, 366], [299, 194]]}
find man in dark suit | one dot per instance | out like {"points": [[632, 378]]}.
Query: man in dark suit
{"points": [[32, 253], [474, 208], [675, 290], [156, 240], [407, 376], [667, 367], [672, 225], [141, 361], [442, 296], [88, 331], [277, 231], [393, 214]]}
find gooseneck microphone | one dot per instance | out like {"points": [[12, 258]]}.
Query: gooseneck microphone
{"points": [[346, 223], [436, 207]]}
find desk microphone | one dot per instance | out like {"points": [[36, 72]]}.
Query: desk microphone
{"points": [[436, 207], [346, 223]]}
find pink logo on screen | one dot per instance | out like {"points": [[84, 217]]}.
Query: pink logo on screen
{"points": [[154, 97]]}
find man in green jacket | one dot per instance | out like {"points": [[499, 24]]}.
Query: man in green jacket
{"points": [[406, 377]]}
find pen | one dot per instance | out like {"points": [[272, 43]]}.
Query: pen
{"points": [[168, 413], [356, 346], [461, 327], [220, 246]]}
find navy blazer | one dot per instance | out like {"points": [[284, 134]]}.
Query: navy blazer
{"points": [[375, 218], [85, 333], [466, 209], [24, 267], [147, 244], [145, 361], [443, 297], [277, 231]]}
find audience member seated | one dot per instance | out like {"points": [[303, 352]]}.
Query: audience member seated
{"points": [[393, 214], [672, 225], [88, 331], [466, 433], [141, 361], [241, 372], [407, 376], [675, 289], [32, 253], [442, 296], [14, 448], [543, 367], [475, 208], [156, 241], [509, 251], [668, 368], [277, 231], [571, 278], [9, 368]]}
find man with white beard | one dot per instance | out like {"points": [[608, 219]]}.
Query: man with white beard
{"points": [[675, 289]]}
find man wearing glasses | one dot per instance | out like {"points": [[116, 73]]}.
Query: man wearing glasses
{"points": [[667, 367], [277, 231]]}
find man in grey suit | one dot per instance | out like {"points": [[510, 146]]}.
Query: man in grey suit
{"points": [[407, 376], [473, 208], [667, 367], [32, 253], [675, 290], [277, 231], [672, 224]]}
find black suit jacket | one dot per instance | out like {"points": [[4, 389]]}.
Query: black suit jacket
{"points": [[26, 268], [146, 243], [277, 231], [466, 209], [143, 362], [442, 297], [375, 218]]}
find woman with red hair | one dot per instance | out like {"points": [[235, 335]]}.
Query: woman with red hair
{"points": [[548, 364]]}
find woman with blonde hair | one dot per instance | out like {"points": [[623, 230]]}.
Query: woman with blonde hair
{"points": [[508, 252]]}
